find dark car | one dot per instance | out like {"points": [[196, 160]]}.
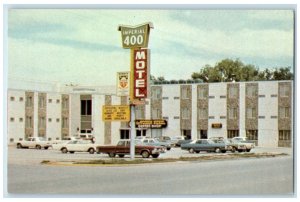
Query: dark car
{"points": [[204, 145]]}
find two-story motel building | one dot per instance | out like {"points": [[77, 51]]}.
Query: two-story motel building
{"points": [[261, 111]]}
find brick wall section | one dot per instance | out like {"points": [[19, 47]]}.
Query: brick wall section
{"points": [[186, 124], [107, 124], [284, 123], [29, 111], [233, 124], [156, 103], [42, 111], [251, 102], [65, 113], [202, 124]]}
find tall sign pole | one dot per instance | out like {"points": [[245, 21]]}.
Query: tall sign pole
{"points": [[136, 39]]}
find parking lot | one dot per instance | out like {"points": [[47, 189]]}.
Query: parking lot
{"points": [[34, 156]]}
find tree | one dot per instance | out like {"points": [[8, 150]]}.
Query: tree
{"points": [[229, 70]]}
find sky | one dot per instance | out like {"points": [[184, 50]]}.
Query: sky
{"points": [[84, 47]]}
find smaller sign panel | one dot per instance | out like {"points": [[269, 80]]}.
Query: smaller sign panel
{"points": [[115, 113], [151, 123], [135, 36], [216, 125], [123, 83]]}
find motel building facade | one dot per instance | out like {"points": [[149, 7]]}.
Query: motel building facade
{"points": [[261, 111]]}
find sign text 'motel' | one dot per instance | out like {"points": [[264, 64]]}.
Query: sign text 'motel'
{"points": [[140, 73]]}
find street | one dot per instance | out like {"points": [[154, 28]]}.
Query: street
{"points": [[242, 177]]}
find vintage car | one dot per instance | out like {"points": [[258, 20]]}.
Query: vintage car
{"points": [[204, 145], [123, 148], [243, 140], [34, 142], [77, 146], [230, 145], [155, 142]]}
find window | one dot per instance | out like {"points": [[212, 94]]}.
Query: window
{"points": [[138, 113], [12, 98], [57, 120], [233, 92], [232, 133], [124, 134], [251, 91], [184, 93], [65, 103], [232, 113], [284, 135], [140, 133], [284, 112], [187, 134], [42, 122], [28, 122], [251, 113], [20, 119], [29, 101], [42, 102], [21, 99], [50, 100], [185, 113], [202, 93], [57, 101], [65, 122], [156, 93], [252, 134], [86, 107], [12, 119], [202, 113], [49, 120], [156, 114], [284, 90]]}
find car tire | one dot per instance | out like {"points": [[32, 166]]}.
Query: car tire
{"points": [[38, 147], [111, 155], [197, 152], [91, 150], [72, 152], [19, 146], [191, 150], [145, 154], [64, 150], [155, 155], [121, 155], [233, 150], [217, 150], [168, 148], [248, 150]]}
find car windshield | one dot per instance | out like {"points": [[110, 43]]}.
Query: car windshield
{"points": [[210, 142]]}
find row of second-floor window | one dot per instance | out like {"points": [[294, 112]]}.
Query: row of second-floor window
{"points": [[251, 113], [41, 101], [41, 121], [233, 92]]}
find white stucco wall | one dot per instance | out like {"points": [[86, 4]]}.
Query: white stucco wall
{"points": [[217, 108], [267, 107], [16, 111], [53, 127], [171, 109]]}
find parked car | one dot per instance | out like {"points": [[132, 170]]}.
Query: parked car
{"points": [[249, 145], [174, 140], [123, 148], [34, 142], [156, 142], [230, 145], [78, 146], [204, 145], [183, 141]]}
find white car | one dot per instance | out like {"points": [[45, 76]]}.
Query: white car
{"points": [[77, 146], [34, 142]]}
